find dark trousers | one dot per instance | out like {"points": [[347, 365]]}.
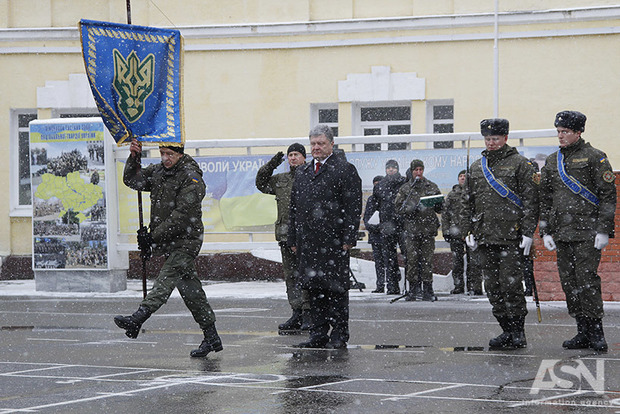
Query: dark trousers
{"points": [[420, 249], [474, 271], [329, 309], [390, 259], [296, 296], [578, 264], [457, 246], [378, 257], [502, 269]]}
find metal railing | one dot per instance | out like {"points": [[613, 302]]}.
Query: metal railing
{"points": [[254, 146]]}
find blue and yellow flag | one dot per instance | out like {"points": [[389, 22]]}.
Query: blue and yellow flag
{"points": [[135, 75]]}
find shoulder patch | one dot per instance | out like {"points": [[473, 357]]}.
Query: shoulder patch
{"points": [[609, 176], [536, 178], [194, 180], [603, 159]]}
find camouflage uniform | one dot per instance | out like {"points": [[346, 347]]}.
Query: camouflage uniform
{"points": [[451, 229], [420, 226], [177, 231], [281, 185], [498, 226], [574, 222]]}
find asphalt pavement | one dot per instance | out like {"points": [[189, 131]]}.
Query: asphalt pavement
{"points": [[63, 354]]}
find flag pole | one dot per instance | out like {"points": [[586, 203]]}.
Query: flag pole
{"points": [[140, 214]]}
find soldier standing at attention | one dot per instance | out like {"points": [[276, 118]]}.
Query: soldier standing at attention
{"points": [[502, 206], [420, 224], [176, 231], [451, 229], [578, 204], [281, 185]]}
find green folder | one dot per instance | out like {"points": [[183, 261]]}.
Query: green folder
{"points": [[431, 201]]}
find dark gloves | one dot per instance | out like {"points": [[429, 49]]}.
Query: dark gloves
{"points": [[145, 243], [277, 160]]}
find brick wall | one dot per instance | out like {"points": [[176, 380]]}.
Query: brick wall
{"points": [[546, 269]]}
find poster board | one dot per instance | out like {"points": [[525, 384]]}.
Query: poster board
{"points": [[70, 191]]}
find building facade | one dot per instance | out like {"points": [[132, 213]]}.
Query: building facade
{"points": [[273, 68]]}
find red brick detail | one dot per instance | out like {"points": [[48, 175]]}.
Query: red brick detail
{"points": [[546, 271]]}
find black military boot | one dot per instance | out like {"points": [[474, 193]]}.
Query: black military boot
{"points": [[211, 342], [306, 320], [503, 340], [581, 340], [428, 294], [596, 335], [294, 322], [132, 324], [517, 330]]}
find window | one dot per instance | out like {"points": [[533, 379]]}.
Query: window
{"points": [[440, 120], [325, 114], [385, 120], [21, 199]]}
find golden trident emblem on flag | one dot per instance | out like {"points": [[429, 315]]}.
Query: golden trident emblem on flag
{"points": [[133, 80]]}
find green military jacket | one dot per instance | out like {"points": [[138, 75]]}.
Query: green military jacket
{"points": [[452, 215], [566, 215], [417, 220], [491, 218], [176, 203], [279, 185]]}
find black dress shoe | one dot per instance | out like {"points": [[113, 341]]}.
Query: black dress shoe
{"points": [[313, 343], [393, 292], [378, 290], [336, 344]]}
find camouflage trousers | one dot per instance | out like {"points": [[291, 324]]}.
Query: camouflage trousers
{"points": [[578, 264], [502, 270], [419, 265], [179, 271], [297, 297]]}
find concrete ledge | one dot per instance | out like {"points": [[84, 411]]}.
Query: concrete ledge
{"points": [[80, 280]]}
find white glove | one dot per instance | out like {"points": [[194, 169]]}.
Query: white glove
{"points": [[600, 241], [548, 242], [471, 242], [526, 245]]}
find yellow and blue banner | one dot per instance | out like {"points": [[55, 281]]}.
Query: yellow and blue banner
{"points": [[135, 76]]}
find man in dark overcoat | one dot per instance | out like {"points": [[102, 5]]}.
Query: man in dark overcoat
{"points": [[326, 205]]}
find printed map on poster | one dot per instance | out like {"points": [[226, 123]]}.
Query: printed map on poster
{"points": [[68, 178]]}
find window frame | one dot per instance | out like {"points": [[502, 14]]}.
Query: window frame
{"points": [[431, 121], [359, 125], [15, 208], [314, 115]]}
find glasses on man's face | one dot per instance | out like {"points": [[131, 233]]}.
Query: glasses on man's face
{"points": [[565, 131]]}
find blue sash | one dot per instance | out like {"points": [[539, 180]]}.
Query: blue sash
{"points": [[572, 183], [499, 187]]}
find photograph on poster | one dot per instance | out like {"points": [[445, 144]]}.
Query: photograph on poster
{"points": [[68, 179]]}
